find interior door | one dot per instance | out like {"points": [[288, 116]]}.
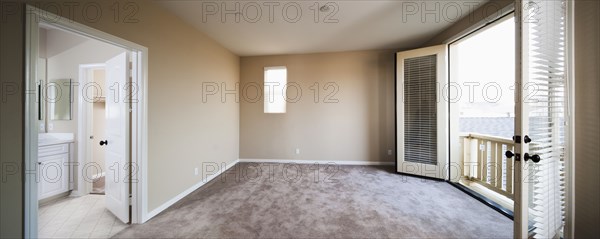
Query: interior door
{"points": [[541, 118], [117, 137], [421, 114]]}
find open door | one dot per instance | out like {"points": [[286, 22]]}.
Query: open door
{"points": [[541, 118], [421, 112], [117, 137]]}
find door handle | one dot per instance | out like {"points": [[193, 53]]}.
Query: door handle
{"points": [[517, 139], [105, 142], [535, 158]]}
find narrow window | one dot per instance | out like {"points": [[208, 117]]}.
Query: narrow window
{"points": [[274, 88]]}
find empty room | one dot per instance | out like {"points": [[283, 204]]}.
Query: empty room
{"points": [[300, 119]]}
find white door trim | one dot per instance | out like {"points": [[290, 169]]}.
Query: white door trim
{"points": [[35, 17], [569, 231]]}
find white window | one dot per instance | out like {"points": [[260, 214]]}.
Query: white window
{"points": [[274, 88]]}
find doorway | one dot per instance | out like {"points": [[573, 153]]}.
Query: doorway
{"points": [[507, 123], [98, 76], [482, 113], [93, 131], [125, 197], [63, 210], [525, 174]]}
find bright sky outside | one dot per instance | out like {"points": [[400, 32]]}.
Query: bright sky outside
{"points": [[488, 58]]}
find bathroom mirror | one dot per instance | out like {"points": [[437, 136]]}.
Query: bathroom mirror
{"points": [[60, 98]]}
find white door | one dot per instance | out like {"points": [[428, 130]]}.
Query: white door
{"points": [[117, 137], [541, 119], [421, 114]]}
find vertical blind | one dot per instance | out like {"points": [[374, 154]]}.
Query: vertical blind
{"points": [[420, 112], [545, 45]]}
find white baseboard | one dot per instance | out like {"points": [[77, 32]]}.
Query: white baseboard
{"points": [[358, 162], [176, 199]]}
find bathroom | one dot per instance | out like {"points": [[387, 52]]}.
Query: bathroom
{"points": [[71, 109]]}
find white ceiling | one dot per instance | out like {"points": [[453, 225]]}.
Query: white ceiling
{"points": [[362, 24]]}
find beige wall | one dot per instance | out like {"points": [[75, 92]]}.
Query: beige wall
{"points": [[183, 132], [11, 128], [587, 118], [359, 127]]}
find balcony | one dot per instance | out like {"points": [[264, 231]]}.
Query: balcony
{"points": [[485, 168]]}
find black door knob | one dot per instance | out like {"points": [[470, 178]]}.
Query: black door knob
{"points": [[526, 139], [509, 154], [535, 158], [105, 142]]}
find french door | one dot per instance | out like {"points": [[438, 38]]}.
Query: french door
{"points": [[537, 165], [420, 112], [541, 118]]}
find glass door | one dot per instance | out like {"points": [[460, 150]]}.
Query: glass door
{"points": [[541, 119]]}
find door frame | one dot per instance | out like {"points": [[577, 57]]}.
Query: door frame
{"points": [[84, 130], [139, 117]]}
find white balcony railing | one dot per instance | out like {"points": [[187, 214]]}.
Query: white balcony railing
{"points": [[484, 162]]}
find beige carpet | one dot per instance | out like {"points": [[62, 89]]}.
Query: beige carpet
{"points": [[336, 202]]}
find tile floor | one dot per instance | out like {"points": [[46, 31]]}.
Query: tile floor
{"points": [[78, 217]]}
